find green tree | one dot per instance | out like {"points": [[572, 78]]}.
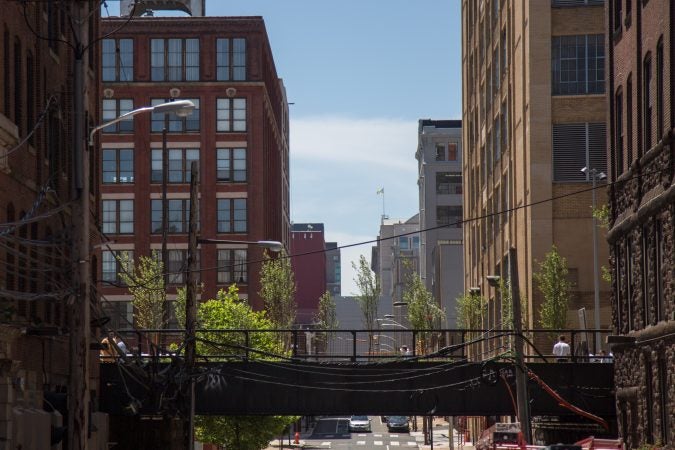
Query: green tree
{"points": [[228, 311], [145, 281], [278, 290], [507, 306], [368, 297], [423, 311], [326, 317], [470, 310], [552, 282]]}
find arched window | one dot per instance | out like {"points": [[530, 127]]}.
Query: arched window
{"points": [[647, 103]]}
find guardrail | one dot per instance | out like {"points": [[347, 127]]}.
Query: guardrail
{"points": [[362, 345]]}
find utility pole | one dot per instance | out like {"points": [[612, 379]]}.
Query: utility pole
{"points": [[521, 374], [191, 308], [78, 305]]}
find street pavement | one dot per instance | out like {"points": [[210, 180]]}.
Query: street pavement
{"points": [[333, 433]]}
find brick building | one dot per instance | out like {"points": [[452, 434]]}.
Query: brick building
{"points": [[642, 205], [238, 133], [309, 269], [37, 241]]}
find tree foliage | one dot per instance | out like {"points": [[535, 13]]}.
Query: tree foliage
{"points": [[423, 311], [326, 317], [228, 311], [507, 306], [552, 282], [145, 281], [278, 290], [369, 292], [470, 311]]}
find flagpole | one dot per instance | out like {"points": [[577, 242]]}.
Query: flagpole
{"points": [[381, 192]]}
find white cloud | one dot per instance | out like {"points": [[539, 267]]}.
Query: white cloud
{"points": [[389, 143], [337, 166]]}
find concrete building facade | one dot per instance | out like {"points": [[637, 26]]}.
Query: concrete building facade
{"points": [[642, 217], [238, 134], [439, 163], [333, 269], [533, 115]]}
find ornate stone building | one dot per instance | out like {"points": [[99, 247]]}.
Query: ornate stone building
{"points": [[642, 214]]}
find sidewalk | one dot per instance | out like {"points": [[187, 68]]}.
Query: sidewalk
{"points": [[306, 433], [441, 431]]}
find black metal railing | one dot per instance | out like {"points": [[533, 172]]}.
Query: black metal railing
{"points": [[362, 345]]}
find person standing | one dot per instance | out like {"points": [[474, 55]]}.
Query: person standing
{"points": [[561, 349]]}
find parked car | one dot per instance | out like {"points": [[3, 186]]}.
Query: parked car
{"points": [[398, 423], [359, 423]]}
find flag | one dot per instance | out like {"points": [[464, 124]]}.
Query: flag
{"points": [[380, 191]]}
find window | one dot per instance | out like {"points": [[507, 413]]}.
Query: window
{"points": [[618, 130], [440, 152], [231, 59], [112, 109], [172, 122], [617, 15], [118, 165], [18, 88], [576, 145], [659, 265], [415, 242], [659, 89], [404, 243], [232, 266], [117, 62], [449, 215], [231, 114], [180, 161], [452, 152], [448, 182], [647, 317], [118, 216], [560, 3], [30, 93], [231, 164], [7, 91], [578, 64], [174, 59], [178, 260], [179, 215], [647, 103], [504, 127], [503, 50], [121, 314], [231, 215], [113, 263]]}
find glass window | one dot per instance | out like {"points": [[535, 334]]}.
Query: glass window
{"points": [[440, 152], [232, 215], [404, 243], [231, 164], [449, 216], [647, 102], [112, 109], [174, 59], [118, 165], [172, 122], [576, 145], [231, 59], [578, 64], [452, 152], [231, 114], [180, 161], [112, 264], [232, 266], [448, 182], [118, 216], [179, 215], [117, 60]]}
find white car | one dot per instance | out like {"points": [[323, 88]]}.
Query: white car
{"points": [[359, 423]]}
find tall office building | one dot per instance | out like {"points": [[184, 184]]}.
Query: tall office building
{"points": [[533, 115], [642, 205], [238, 134], [439, 162], [333, 269]]}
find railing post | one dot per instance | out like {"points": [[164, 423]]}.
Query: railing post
{"points": [[463, 342], [247, 343], [295, 343], [414, 343], [574, 347], [353, 346]]}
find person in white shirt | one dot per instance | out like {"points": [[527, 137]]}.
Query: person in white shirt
{"points": [[561, 349]]}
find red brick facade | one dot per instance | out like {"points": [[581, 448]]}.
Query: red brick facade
{"points": [[265, 140], [642, 199]]}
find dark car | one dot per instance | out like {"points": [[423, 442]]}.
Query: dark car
{"points": [[398, 423]]}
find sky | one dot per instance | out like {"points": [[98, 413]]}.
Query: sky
{"points": [[359, 75]]}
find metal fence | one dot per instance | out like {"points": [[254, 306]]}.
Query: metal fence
{"points": [[360, 345]]}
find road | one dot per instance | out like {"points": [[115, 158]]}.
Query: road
{"points": [[333, 433]]}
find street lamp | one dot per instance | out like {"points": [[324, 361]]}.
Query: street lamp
{"points": [[595, 176], [182, 108]]}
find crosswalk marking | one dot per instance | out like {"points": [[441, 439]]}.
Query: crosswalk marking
{"points": [[412, 444], [393, 435], [362, 434], [378, 443], [360, 442], [394, 443], [377, 435], [326, 444]]}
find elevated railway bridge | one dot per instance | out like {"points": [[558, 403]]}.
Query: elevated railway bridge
{"points": [[321, 372]]}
